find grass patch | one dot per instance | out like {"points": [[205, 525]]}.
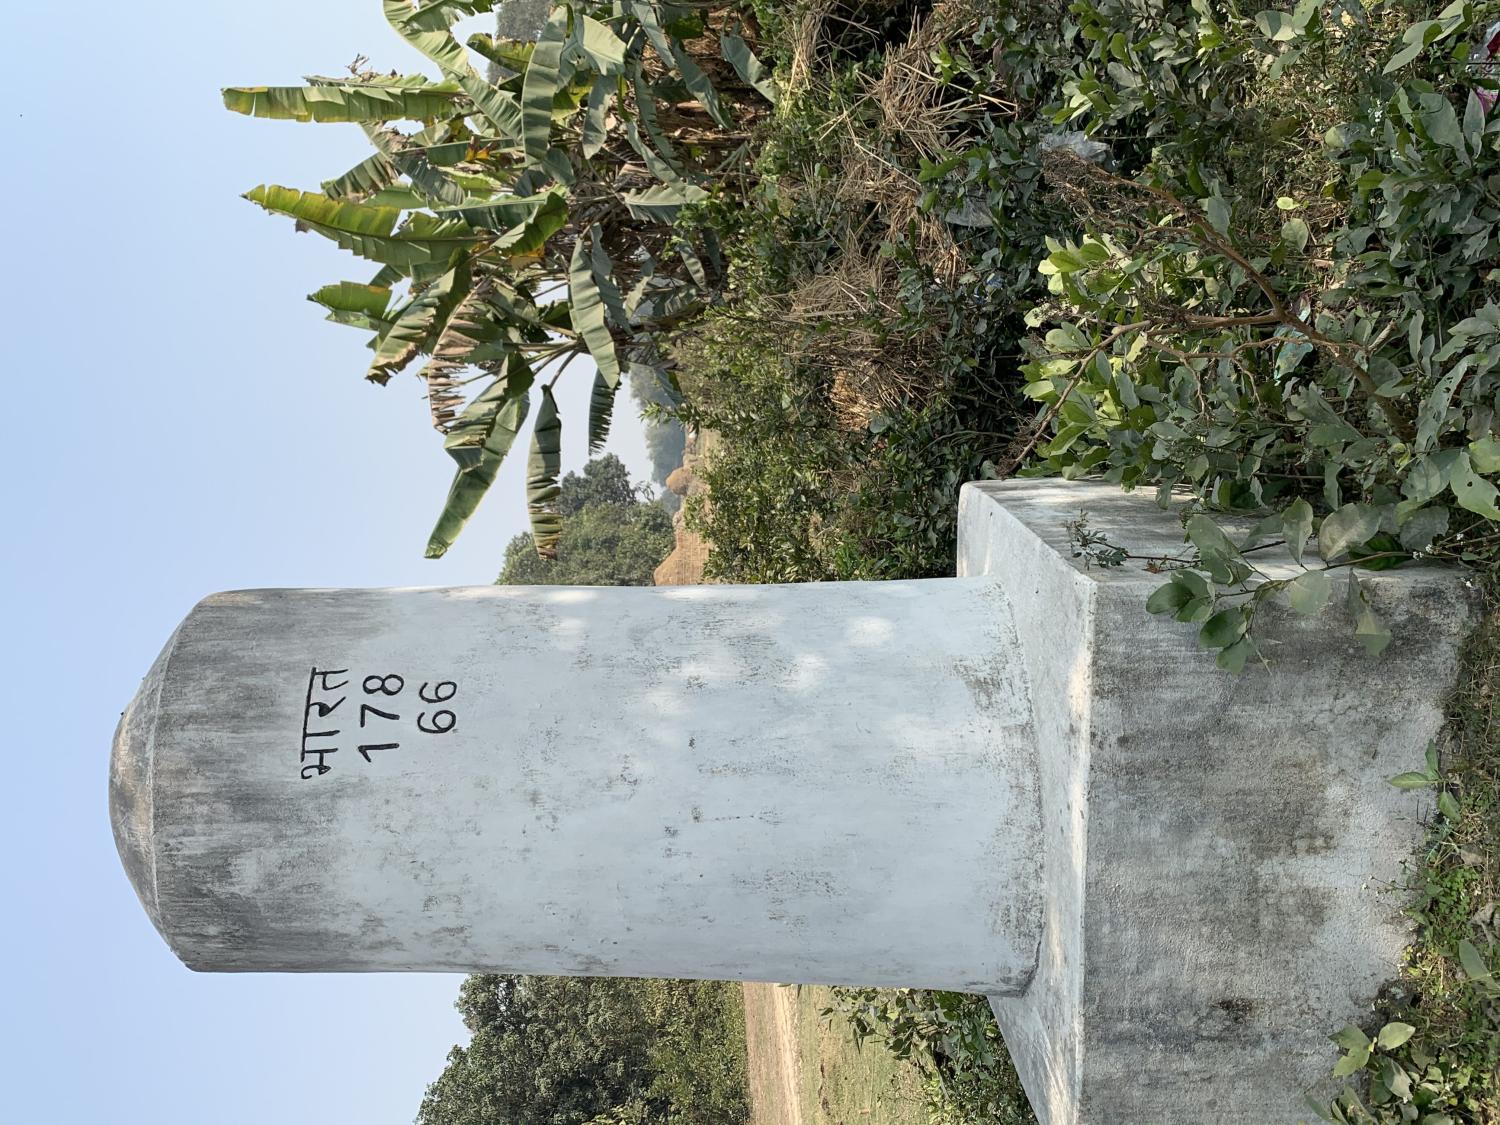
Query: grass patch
{"points": [[845, 1083]]}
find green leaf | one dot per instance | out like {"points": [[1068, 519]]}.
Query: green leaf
{"points": [[1473, 963], [1392, 1035], [350, 296], [542, 81], [374, 102], [604, 277], [601, 409], [701, 88], [542, 469], [1371, 632], [1396, 1080], [479, 442], [661, 203], [1352, 1063], [407, 156], [1421, 527], [512, 56], [499, 107], [1224, 628], [439, 15], [1417, 37], [370, 175], [1276, 26], [1411, 780], [587, 307], [1295, 233], [1347, 528], [1168, 598], [739, 55], [601, 46], [367, 229], [669, 52], [1297, 524], [1217, 209], [1428, 476], [595, 133], [430, 35], [417, 327], [1209, 538], [1309, 593], [1233, 657], [1484, 455], [1351, 1038], [1448, 806], [530, 236], [1472, 491]]}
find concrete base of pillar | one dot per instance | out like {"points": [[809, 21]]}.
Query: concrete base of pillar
{"points": [[1222, 853]]}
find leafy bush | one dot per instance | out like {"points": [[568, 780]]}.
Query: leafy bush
{"points": [[953, 1041]]}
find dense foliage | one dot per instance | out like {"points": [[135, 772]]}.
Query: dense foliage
{"points": [[593, 1051]]}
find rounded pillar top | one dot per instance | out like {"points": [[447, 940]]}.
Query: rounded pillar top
{"points": [[131, 803]]}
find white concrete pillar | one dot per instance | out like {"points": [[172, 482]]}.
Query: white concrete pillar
{"points": [[832, 783]]}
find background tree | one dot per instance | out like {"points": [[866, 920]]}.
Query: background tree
{"points": [[613, 534], [666, 439], [593, 1051], [545, 1051]]}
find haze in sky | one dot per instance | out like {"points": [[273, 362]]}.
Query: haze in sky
{"points": [[181, 421]]}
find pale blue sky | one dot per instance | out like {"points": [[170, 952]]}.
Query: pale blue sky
{"points": [[181, 421]]}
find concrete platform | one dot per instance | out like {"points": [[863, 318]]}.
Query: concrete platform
{"points": [[1218, 848]]}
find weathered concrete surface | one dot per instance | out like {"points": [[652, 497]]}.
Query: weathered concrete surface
{"points": [[1168, 879], [1216, 846], [830, 783]]}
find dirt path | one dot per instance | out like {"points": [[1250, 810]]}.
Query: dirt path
{"points": [[775, 1070]]}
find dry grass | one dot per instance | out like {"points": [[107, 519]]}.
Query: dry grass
{"points": [[902, 115]]}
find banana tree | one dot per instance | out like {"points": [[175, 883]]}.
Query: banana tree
{"points": [[527, 216]]}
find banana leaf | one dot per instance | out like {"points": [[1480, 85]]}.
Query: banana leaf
{"points": [[370, 175], [419, 325], [479, 442], [369, 230], [498, 107], [405, 153], [531, 236], [542, 81], [604, 277], [439, 15], [674, 56], [542, 468], [600, 45], [511, 55], [739, 55], [362, 102], [351, 296], [587, 308], [437, 43], [595, 128], [661, 203]]}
